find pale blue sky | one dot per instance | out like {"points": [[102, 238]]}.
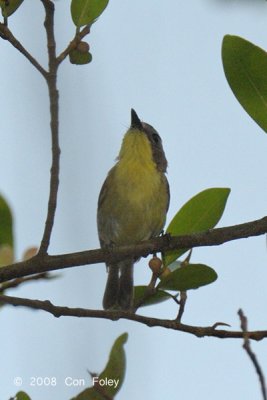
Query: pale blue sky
{"points": [[163, 59]]}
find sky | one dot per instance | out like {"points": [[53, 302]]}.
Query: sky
{"points": [[164, 60]]}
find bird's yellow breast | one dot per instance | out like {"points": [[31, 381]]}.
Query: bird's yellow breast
{"points": [[135, 194], [136, 170]]}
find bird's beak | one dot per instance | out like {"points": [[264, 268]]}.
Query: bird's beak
{"points": [[135, 121]]}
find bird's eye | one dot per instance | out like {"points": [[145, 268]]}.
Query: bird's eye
{"points": [[156, 138]]}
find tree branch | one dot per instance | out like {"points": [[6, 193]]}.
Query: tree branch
{"points": [[214, 237], [251, 354], [51, 80], [6, 34], [58, 311]]}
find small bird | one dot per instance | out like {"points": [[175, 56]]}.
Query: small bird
{"points": [[132, 205]]}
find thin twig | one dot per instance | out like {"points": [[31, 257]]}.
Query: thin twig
{"points": [[213, 237], [182, 302], [6, 34], [214, 326], [14, 283], [149, 291], [183, 294], [197, 331], [54, 124], [251, 354]]}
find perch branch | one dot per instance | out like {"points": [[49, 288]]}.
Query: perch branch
{"points": [[214, 237]]}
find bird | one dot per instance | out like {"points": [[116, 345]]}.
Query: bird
{"points": [[132, 206]]}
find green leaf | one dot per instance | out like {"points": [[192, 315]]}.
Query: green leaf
{"points": [[170, 268], [6, 255], [6, 230], [22, 396], [114, 370], [192, 276], [116, 366], [8, 8], [158, 297], [89, 394], [84, 12], [80, 58], [245, 68], [200, 213]]}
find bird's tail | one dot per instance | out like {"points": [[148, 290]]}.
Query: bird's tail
{"points": [[119, 288]]}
